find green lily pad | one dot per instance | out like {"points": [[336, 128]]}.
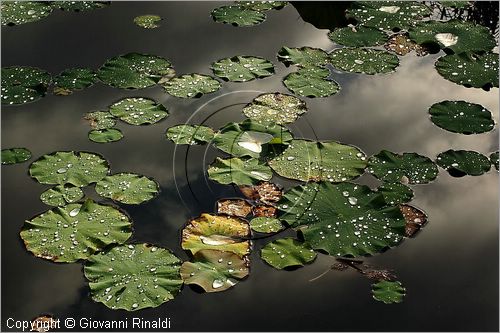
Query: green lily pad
{"points": [[75, 168], [395, 193], [147, 21], [287, 252], [135, 71], [15, 155], [367, 61], [409, 167], [303, 56], [388, 292], [214, 232], [470, 70], [100, 120], [343, 219], [20, 12], [266, 225], [73, 79], [262, 5], [277, 107], [75, 231], [127, 188], [23, 84], [105, 135], [494, 159], [138, 111], [459, 163], [61, 195], [214, 270], [79, 6], [242, 68], [133, 277], [329, 161], [461, 117], [239, 16], [190, 134], [358, 36], [191, 85], [303, 83], [239, 171]]}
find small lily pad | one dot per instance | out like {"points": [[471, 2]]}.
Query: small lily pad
{"points": [[61, 195], [459, 163], [147, 21], [73, 79], [287, 252], [242, 68], [15, 155], [239, 171], [79, 6], [266, 225], [20, 12], [395, 193], [358, 36], [138, 111], [389, 292], [100, 120], [415, 219], [303, 83], [191, 85], [127, 188], [23, 84], [303, 56], [234, 207], [494, 159], [105, 135], [367, 61], [239, 16], [266, 192], [277, 107], [190, 134]]}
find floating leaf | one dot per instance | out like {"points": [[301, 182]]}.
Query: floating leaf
{"points": [[277, 107], [388, 292], [75, 168], [303, 56], [20, 12], [133, 277], [459, 163], [239, 16], [358, 36], [75, 231], [309, 160], [415, 219], [190, 134], [191, 85], [402, 45], [105, 135], [410, 167], [239, 171], [234, 207], [73, 79], [461, 117], [61, 195], [367, 61], [266, 224], [79, 6], [264, 211], [262, 5], [23, 84], [242, 68], [138, 111], [268, 193], [494, 159], [15, 155], [127, 188], [395, 193], [303, 83], [287, 252], [100, 120], [147, 21]]}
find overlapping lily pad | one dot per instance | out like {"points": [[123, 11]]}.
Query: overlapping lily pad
{"points": [[276, 107], [73, 79], [303, 56], [138, 111], [61, 195], [388, 292], [494, 159], [308, 84], [395, 193], [459, 163], [100, 120], [15, 155], [133, 277], [127, 188], [105, 135], [191, 85], [239, 171], [242, 68], [239, 16], [287, 252], [79, 6], [358, 36], [266, 224], [367, 61], [147, 21], [461, 117], [190, 134], [266, 192], [75, 231], [23, 84], [20, 12], [234, 207]]}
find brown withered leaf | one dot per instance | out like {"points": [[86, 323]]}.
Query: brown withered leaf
{"points": [[265, 192], [415, 219], [234, 207], [379, 274], [264, 211], [402, 45]]}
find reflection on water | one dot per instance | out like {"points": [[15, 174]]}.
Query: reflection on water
{"points": [[450, 269]]}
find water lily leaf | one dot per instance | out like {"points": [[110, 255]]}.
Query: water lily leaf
{"points": [[402, 45], [190, 134], [262, 6], [212, 232], [61, 195], [287, 252], [342, 219], [302, 83], [75, 231], [461, 117], [277, 107], [23, 84], [191, 85], [138, 111], [20, 12], [214, 270], [147, 21], [127, 188], [494, 159], [309, 160], [303, 56], [367, 61], [470, 70], [239, 16], [415, 219], [264, 211], [395, 193], [268, 193], [135, 71], [358, 36], [133, 277], [105, 135], [73, 79], [242, 68], [79, 6], [457, 36], [409, 167], [234, 207], [266, 225], [388, 292], [239, 171], [100, 120], [75, 168], [459, 163], [15, 155]]}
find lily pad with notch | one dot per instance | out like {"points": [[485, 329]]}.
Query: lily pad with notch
{"points": [[388, 292], [460, 163], [191, 85], [190, 134], [366, 61], [138, 111], [303, 56], [105, 135], [21, 84], [239, 171], [61, 195], [15, 155], [395, 193], [287, 252], [242, 68], [275, 107], [308, 84], [358, 36], [127, 188], [461, 117]]}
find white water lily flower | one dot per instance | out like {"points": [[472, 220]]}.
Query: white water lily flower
{"points": [[389, 9], [447, 39], [253, 141]]}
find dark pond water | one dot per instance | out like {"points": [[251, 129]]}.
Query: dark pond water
{"points": [[450, 269]]}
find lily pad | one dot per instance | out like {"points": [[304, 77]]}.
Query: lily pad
{"points": [[494, 159], [461, 117], [100, 120], [20, 12], [214, 270], [303, 56], [242, 68], [138, 111], [135, 71], [73, 79], [287, 252], [268, 193], [302, 83], [213, 232], [23, 84], [191, 85], [190, 134], [409, 167], [388, 292], [459, 163], [147, 21], [239, 171], [395, 193], [277, 107], [133, 277], [358, 36], [234, 207], [262, 5], [239, 16], [61, 195], [329, 161], [401, 44], [79, 6], [415, 219], [15, 155], [367, 61], [266, 225], [75, 168], [127, 188], [105, 135], [75, 231]]}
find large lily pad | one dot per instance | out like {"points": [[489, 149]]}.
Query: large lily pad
{"points": [[23, 84], [266, 224], [329, 161], [100, 119], [127, 188], [191, 85], [388, 292], [494, 159], [79, 6], [73, 79], [214, 270], [358, 36], [147, 21], [277, 107], [138, 111], [190, 134], [75, 168], [75, 231], [287, 252], [20, 12], [242, 68], [395, 193], [367, 61], [61, 195], [15, 155], [105, 135], [133, 277], [239, 171], [459, 163], [306, 83], [461, 117], [239, 16], [303, 56]]}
